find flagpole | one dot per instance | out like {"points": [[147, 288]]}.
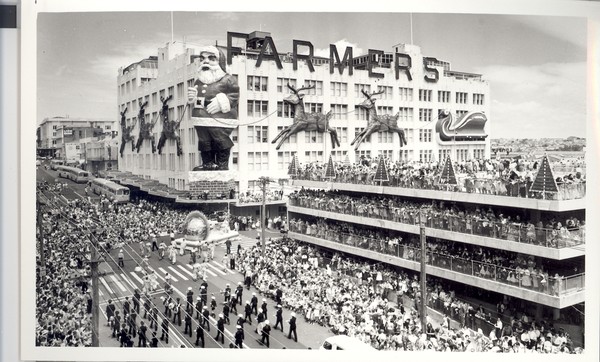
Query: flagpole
{"points": [[172, 39]]}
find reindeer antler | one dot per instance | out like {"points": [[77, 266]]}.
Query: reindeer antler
{"points": [[372, 94]]}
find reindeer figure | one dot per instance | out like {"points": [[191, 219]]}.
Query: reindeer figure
{"points": [[145, 129], [170, 129], [376, 123], [305, 122], [126, 135]]}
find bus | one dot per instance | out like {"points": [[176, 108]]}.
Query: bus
{"points": [[55, 164], [110, 189], [73, 173]]}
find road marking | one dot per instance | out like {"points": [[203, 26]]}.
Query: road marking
{"points": [[118, 283], [135, 276], [100, 292], [177, 273], [165, 272], [106, 285], [223, 267], [185, 270], [128, 281], [217, 269], [206, 269]]}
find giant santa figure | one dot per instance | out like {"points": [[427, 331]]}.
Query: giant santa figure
{"points": [[214, 104]]}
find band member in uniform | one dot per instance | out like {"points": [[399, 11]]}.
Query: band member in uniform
{"points": [[226, 313], [164, 326], [205, 318], [200, 335], [239, 336], [220, 328], [110, 310], [292, 323], [254, 303], [188, 324], [198, 307], [248, 311], [177, 312], [190, 300], [266, 331], [279, 316], [142, 335]]}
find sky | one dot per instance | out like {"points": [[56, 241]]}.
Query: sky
{"points": [[536, 66]]}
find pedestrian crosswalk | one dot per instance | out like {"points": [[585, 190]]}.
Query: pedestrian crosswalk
{"points": [[245, 243], [119, 284]]}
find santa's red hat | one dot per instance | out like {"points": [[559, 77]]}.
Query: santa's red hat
{"points": [[216, 52]]}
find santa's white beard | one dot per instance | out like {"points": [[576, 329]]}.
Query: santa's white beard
{"points": [[211, 75]]}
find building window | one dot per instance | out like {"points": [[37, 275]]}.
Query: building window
{"points": [[258, 161], [404, 155], [290, 139], [387, 92], [461, 97], [234, 135], [192, 158], [313, 137], [54, 134], [358, 88], [180, 91], [317, 90], [358, 130], [387, 154], [478, 99], [362, 154], [258, 108], [406, 94], [385, 137], [282, 85], [54, 127], [313, 156], [342, 133], [405, 114], [235, 158], [284, 159], [361, 113], [443, 96], [425, 95], [460, 113], [462, 155], [384, 110], [425, 155], [339, 156], [285, 110], [425, 114], [443, 154], [162, 93], [339, 89], [258, 134], [257, 83], [340, 111], [479, 153], [171, 90], [313, 107], [424, 135]]}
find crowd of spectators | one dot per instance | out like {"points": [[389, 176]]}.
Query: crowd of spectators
{"points": [[350, 297], [249, 197], [524, 271], [479, 221], [494, 177]]}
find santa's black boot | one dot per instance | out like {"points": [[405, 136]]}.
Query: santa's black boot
{"points": [[223, 159], [208, 161]]}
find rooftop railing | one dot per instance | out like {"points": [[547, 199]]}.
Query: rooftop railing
{"points": [[517, 232]]}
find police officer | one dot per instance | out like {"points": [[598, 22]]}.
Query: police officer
{"points": [[110, 310], [220, 328], [278, 295], [190, 300], [198, 307], [205, 318], [177, 312], [123, 335], [292, 323], [213, 303], [154, 317], [136, 301], [133, 323], [203, 295], [240, 322], [254, 303], [279, 317], [204, 284], [154, 245], [263, 307], [126, 306], [154, 340], [266, 331], [142, 335], [116, 324], [188, 324], [164, 326], [226, 313], [232, 306], [238, 293], [227, 293], [147, 307], [239, 336], [248, 311], [200, 335]]}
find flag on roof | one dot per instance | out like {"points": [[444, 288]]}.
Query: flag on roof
{"points": [[381, 173], [448, 175], [293, 168], [544, 180], [330, 171]]}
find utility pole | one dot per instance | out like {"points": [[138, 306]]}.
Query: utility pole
{"points": [[423, 273], [95, 291], [264, 182]]}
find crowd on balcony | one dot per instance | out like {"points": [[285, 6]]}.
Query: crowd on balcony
{"points": [[549, 232], [493, 177], [248, 196], [523, 271], [350, 297]]}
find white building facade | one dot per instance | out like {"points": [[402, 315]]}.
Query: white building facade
{"points": [[263, 114]]}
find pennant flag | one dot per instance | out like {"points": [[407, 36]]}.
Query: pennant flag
{"points": [[381, 174], [448, 176], [293, 168], [330, 171], [544, 180]]}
